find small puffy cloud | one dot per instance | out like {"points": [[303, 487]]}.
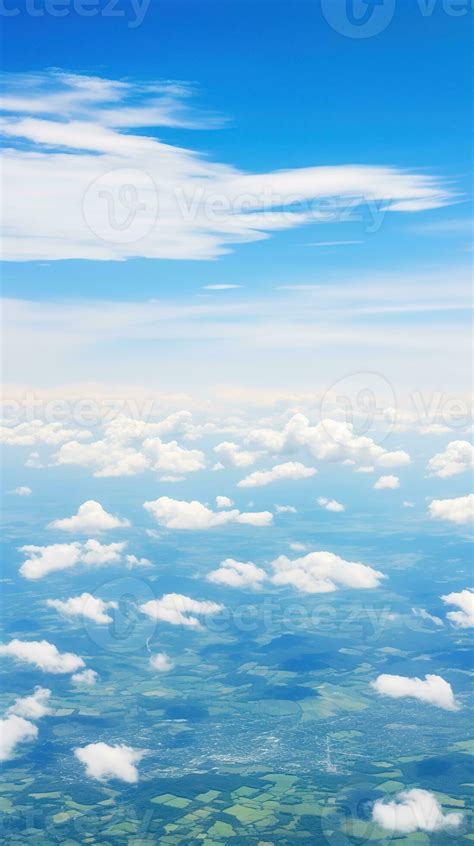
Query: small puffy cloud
{"points": [[324, 572], [84, 606], [285, 509], [330, 504], [408, 504], [456, 458], [173, 459], [464, 600], [22, 490], [459, 510], [43, 655], [180, 514], [13, 731], [87, 678], [387, 483], [32, 707], [432, 689], [291, 470], [179, 610], [223, 502], [42, 560], [413, 810], [161, 662], [232, 455], [237, 574], [90, 518], [296, 546], [104, 762]]}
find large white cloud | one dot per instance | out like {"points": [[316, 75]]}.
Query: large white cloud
{"points": [[43, 655], [91, 517], [459, 510], [329, 440], [104, 762], [42, 560], [179, 610], [291, 470], [13, 731], [323, 572], [457, 457], [32, 707], [237, 574], [432, 689], [67, 149], [413, 810], [464, 600], [180, 514], [84, 606]]}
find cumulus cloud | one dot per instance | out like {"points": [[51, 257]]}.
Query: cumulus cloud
{"points": [[413, 810], [161, 662], [459, 510], [179, 610], [387, 483], [324, 572], [38, 432], [329, 440], [330, 504], [43, 560], [84, 606], [432, 689], [32, 707], [22, 490], [106, 458], [103, 762], [285, 509], [180, 514], [43, 655], [456, 458], [13, 731], [237, 574], [291, 470], [223, 502], [87, 678], [232, 455], [464, 600], [91, 517]]}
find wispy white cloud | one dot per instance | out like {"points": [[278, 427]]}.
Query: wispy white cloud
{"points": [[93, 153]]}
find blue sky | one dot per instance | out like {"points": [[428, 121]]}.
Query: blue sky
{"points": [[266, 87]]}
